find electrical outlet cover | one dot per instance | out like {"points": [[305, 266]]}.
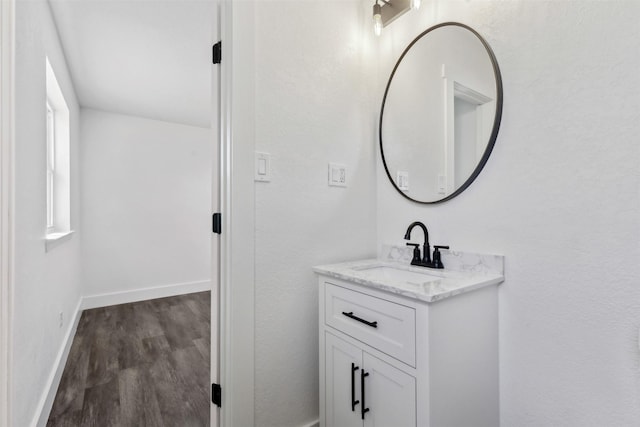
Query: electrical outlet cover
{"points": [[402, 180], [337, 175]]}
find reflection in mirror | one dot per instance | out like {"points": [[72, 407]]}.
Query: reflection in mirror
{"points": [[441, 113]]}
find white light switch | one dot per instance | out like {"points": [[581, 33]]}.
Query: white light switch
{"points": [[337, 175], [263, 167]]}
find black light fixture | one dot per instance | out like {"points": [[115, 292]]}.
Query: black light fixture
{"points": [[386, 13]]}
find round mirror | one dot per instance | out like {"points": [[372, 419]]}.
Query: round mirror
{"points": [[440, 113]]}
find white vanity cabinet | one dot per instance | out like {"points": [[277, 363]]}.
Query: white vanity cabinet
{"points": [[388, 360]]}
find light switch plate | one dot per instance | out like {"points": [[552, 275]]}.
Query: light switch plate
{"points": [[337, 175], [262, 167]]}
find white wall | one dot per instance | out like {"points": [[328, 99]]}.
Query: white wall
{"points": [[45, 283], [146, 203], [311, 108], [559, 198]]}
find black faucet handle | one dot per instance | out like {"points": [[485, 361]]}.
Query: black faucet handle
{"points": [[416, 252], [437, 261]]}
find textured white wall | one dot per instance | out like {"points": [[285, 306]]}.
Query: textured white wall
{"points": [[146, 202], [45, 283], [559, 198], [311, 107]]}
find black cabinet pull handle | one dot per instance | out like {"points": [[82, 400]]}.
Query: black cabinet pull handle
{"points": [[354, 402], [352, 316], [363, 375]]}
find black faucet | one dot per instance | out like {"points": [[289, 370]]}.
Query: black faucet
{"points": [[425, 260], [425, 247]]}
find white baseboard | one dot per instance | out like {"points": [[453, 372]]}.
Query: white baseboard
{"points": [[124, 297], [315, 423], [46, 401]]}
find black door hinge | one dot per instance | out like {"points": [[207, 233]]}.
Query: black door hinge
{"points": [[217, 223], [217, 52], [216, 395]]}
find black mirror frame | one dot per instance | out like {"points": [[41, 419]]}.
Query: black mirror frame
{"points": [[496, 121]]}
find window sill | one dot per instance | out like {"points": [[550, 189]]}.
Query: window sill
{"points": [[53, 240]]}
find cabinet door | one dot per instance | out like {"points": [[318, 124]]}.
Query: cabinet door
{"points": [[343, 363], [389, 393]]}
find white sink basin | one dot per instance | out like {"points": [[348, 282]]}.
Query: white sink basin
{"points": [[397, 275]]}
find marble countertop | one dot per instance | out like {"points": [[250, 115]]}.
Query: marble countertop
{"points": [[435, 285]]}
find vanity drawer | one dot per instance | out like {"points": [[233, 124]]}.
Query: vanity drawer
{"points": [[382, 324]]}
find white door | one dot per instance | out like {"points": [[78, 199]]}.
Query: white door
{"points": [[215, 241], [6, 165], [343, 368], [389, 394]]}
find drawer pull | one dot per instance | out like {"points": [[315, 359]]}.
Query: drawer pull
{"points": [[354, 317], [354, 402]]}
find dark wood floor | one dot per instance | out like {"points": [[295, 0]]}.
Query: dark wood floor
{"points": [[139, 364]]}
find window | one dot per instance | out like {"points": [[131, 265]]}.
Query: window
{"points": [[58, 215], [51, 168]]}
